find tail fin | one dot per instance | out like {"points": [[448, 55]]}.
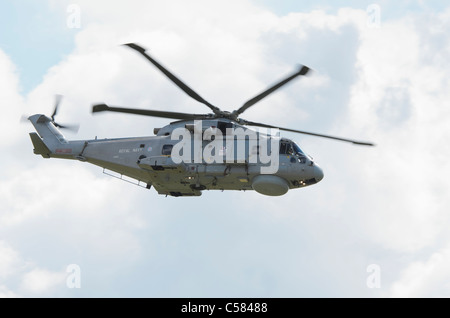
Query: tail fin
{"points": [[51, 140]]}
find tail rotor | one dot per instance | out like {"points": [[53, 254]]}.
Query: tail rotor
{"points": [[58, 99]]}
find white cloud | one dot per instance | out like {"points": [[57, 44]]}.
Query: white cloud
{"points": [[15, 270], [41, 281], [428, 278], [11, 101], [6, 293], [400, 98], [9, 261]]}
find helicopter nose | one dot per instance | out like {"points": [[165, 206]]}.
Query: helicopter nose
{"points": [[318, 173]]}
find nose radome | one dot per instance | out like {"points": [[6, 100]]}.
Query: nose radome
{"points": [[318, 173]]}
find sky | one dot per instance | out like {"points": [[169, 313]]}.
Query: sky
{"points": [[375, 226]]}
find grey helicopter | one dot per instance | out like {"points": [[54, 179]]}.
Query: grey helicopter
{"points": [[197, 152]]}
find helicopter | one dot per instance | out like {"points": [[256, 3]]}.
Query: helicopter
{"points": [[197, 152]]}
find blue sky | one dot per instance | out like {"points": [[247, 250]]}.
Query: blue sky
{"points": [[387, 85], [391, 9], [36, 35]]}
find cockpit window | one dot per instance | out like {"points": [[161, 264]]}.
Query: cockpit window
{"points": [[290, 148], [286, 148], [298, 150], [299, 153], [282, 148]]}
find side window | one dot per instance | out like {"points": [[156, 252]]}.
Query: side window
{"points": [[166, 150], [286, 149], [289, 149], [282, 148]]}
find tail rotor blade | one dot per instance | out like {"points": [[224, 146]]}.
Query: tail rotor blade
{"points": [[58, 99], [24, 118], [73, 128]]}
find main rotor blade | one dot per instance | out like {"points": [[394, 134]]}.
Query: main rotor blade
{"points": [[173, 78], [303, 70], [147, 112], [362, 143]]}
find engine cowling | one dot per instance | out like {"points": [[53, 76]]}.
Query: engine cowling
{"points": [[270, 185]]}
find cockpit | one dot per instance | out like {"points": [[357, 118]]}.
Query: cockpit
{"points": [[288, 147]]}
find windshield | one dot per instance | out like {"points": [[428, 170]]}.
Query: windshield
{"points": [[297, 149]]}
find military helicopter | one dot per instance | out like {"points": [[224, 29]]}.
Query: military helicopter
{"points": [[214, 151]]}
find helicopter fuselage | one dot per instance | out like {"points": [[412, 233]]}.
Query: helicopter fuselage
{"points": [[186, 157]]}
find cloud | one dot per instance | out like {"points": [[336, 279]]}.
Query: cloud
{"points": [[399, 98], [11, 101], [15, 271], [39, 281], [10, 260], [6, 293], [428, 278]]}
